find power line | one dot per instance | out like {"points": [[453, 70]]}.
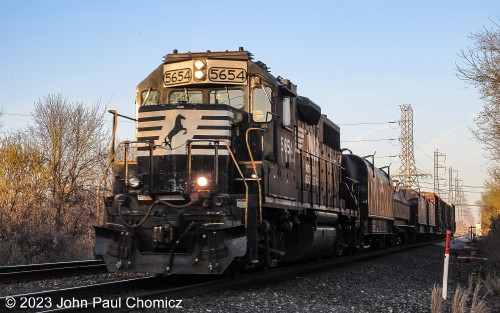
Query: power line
{"points": [[368, 123], [15, 114], [424, 152], [363, 140], [387, 156]]}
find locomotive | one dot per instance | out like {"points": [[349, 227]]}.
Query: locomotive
{"points": [[232, 169]]}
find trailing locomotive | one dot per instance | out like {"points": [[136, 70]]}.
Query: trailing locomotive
{"points": [[233, 170]]}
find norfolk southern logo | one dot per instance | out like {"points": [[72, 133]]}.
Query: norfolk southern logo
{"points": [[177, 128]]}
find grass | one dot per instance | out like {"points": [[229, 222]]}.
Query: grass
{"points": [[437, 301], [470, 300]]}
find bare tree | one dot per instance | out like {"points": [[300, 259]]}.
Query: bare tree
{"points": [[24, 219], [48, 182], [481, 69], [72, 139]]}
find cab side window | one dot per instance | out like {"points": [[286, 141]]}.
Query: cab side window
{"points": [[150, 97], [286, 112], [261, 102]]}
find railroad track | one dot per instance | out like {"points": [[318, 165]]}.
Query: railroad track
{"points": [[99, 296], [90, 298], [20, 273]]}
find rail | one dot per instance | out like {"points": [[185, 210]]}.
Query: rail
{"points": [[29, 272]]}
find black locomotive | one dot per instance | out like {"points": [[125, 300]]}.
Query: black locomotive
{"points": [[233, 169]]}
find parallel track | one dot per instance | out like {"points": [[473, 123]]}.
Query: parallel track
{"points": [[20, 273]]}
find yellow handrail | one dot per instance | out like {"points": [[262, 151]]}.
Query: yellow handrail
{"points": [[254, 167], [234, 161], [242, 177]]}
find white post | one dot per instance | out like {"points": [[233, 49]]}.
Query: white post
{"points": [[446, 263]]}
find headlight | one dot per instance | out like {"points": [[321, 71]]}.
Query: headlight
{"points": [[202, 181], [199, 64], [199, 75], [200, 70], [134, 182]]}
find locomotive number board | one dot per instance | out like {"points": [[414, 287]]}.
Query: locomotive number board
{"points": [[178, 76], [215, 72]]}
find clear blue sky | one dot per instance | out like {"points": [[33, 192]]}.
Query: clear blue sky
{"points": [[359, 60]]}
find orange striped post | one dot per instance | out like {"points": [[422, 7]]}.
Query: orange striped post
{"points": [[446, 263]]}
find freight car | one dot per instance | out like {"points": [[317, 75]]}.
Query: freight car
{"points": [[233, 169], [374, 201], [404, 220]]}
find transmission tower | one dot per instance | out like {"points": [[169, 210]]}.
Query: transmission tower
{"points": [[437, 166], [407, 173], [452, 199]]}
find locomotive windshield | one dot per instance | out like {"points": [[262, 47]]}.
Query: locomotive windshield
{"points": [[232, 97], [186, 96]]}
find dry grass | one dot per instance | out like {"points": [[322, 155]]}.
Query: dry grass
{"points": [[437, 301], [478, 305], [492, 283], [470, 300], [459, 300]]}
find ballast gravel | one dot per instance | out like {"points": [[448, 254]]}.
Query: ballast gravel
{"points": [[400, 282]]}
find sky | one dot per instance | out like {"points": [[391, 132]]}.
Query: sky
{"points": [[359, 60]]}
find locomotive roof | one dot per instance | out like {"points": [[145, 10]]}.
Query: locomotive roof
{"points": [[241, 54]]}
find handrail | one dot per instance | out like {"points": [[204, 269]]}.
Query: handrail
{"points": [[111, 158], [351, 191], [254, 167], [189, 142], [318, 159]]}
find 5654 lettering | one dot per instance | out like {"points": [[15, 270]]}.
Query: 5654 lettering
{"points": [[222, 74]]}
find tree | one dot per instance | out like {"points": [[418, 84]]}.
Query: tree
{"points": [[22, 213], [72, 140], [490, 204], [482, 69], [48, 182]]}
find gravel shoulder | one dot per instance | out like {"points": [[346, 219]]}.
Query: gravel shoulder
{"points": [[400, 282]]}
